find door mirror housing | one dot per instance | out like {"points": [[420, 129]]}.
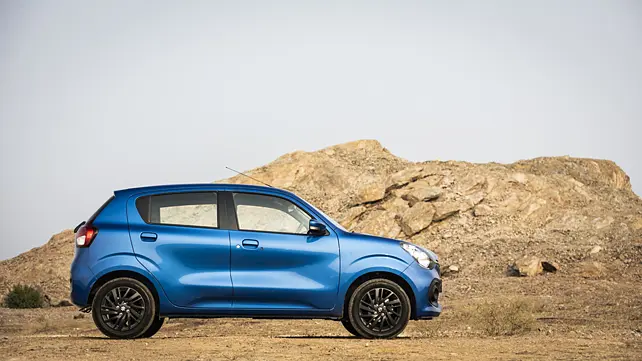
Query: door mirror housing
{"points": [[317, 228]]}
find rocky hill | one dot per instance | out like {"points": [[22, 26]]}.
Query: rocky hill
{"points": [[578, 214]]}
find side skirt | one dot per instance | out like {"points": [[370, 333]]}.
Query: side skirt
{"points": [[274, 317]]}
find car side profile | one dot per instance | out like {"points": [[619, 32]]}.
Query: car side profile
{"points": [[230, 250]]}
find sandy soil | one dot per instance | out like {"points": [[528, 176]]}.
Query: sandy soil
{"points": [[61, 337], [594, 320]]}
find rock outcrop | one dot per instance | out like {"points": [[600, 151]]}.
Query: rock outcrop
{"points": [[478, 216]]}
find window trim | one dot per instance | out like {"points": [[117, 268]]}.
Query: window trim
{"points": [[97, 213], [232, 205], [219, 206]]}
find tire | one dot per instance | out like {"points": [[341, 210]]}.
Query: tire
{"points": [[124, 308], [153, 329], [348, 326], [379, 308]]}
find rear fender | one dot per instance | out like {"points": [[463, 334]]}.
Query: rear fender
{"points": [[128, 262]]}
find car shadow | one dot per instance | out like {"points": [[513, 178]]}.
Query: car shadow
{"points": [[319, 337]]}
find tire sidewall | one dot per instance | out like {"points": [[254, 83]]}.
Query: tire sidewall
{"points": [[154, 328], [150, 308], [348, 326], [353, 310]]}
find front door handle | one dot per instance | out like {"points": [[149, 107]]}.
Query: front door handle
{"points": [[148, 237], [250, 243]]}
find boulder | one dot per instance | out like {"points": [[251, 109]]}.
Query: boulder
{"points": [[596, 250], [352, 214], [63, 303], [404, 177], [422, 194], [450, 270], [395, 205], [371, 193], [528, 266], [519, 178], [472, 183], [482, 210], [417, 218], [379, 223], [444, 210], [588, 269], [472, 200]]}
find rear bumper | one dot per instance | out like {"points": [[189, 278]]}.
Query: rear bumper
{"points": [[80, 284], [426, 286]]}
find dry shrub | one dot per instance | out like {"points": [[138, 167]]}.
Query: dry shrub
{"points": [[505, 318], [22, 296]]}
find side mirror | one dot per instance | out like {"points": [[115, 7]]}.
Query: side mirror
{"points": [[317, 228]]}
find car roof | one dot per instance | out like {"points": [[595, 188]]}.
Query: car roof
{"points": [[200, 186]]}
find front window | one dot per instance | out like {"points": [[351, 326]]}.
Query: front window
{"points": [[257, 212]]}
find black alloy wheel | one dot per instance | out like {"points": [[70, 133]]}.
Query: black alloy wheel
{"points": [[379, 308], [124, 308]]}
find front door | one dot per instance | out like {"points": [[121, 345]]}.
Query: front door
{"points": [[177, 238], [276, 265]]}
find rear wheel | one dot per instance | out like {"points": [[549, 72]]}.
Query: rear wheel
{"points": [[124, 308], [154, 328], [379, 308]]}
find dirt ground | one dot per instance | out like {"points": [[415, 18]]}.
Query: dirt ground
{"points": [[239, 339], [574, 319]]}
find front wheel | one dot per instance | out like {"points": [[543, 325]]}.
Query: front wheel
{"points": [[124, 308], [379, 308], [348, 326]]}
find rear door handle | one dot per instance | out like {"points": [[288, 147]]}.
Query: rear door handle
{"points": [[148, 237], [250, 243]]}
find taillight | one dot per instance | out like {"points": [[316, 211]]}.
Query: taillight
{"points": [[85, 235]]}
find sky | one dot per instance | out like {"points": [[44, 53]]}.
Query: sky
{"points": [[100, 96]]}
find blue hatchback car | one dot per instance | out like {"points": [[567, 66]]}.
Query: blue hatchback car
{"points": [[229, 250]]}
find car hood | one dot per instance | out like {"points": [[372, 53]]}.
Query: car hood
{"points": [[391, 242]]}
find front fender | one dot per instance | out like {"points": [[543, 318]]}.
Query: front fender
{"points": [[364, 265]]}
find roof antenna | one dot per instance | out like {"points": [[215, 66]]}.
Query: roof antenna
{"points": [[254, 179]]}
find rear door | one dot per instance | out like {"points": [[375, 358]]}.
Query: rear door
{"points": [[276, 265], [176, 236]]}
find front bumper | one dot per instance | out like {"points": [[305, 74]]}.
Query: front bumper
{"points": [[427, 288]]}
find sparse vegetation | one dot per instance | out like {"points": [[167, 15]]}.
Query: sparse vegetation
{"points": [[23, 296], [505, 318]]}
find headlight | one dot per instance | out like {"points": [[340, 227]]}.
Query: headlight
{"points": [[421, 256]]}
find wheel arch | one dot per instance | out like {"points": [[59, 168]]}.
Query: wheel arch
{"points": [[123, 274], [385, 275]]}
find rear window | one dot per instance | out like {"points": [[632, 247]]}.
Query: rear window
{"points": [[197, 209]]}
